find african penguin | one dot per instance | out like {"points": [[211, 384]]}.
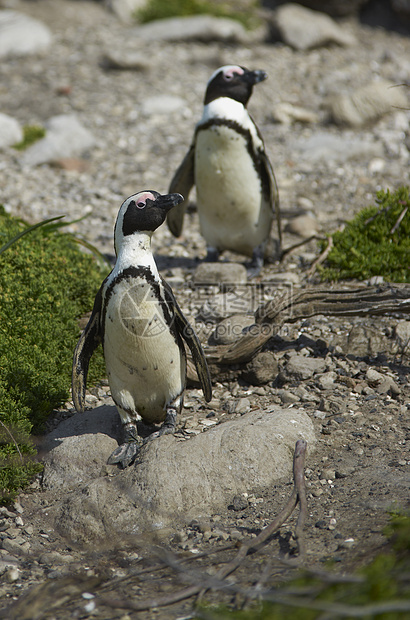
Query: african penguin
{"points": [[237, 195], [141, 328]]}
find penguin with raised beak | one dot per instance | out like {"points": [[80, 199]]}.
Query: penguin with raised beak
{"points": [[137, 320]]}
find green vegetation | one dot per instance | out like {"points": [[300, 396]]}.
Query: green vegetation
{"points": [[31, 133], [375, 243], [244, 12], [380, 590], [46, 284]]}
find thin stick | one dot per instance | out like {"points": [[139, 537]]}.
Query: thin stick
{"points": [[320, 259], [299, 478], [9, 432], [399, 220]]}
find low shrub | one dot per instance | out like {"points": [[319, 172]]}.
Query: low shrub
{"points": [[375, 243], [46, 284]]}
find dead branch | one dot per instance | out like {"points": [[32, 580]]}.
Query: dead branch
{"points": [[361, 301], [320, 259], [207, 582]]}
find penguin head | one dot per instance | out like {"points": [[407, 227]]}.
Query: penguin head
{"points": [[143, 212], [234, 82]]}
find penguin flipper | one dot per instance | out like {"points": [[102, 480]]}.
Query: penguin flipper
{"points": [[181, 183], [86, 345], [192, 340], [268, 176]]}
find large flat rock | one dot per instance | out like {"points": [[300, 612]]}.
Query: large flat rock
{"points": [[173, 481]]}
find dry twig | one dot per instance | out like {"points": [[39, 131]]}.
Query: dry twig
{"points": [[320, 259], [360, 301]]}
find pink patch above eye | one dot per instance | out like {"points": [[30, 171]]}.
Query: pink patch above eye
{"points": [[230, 73]]}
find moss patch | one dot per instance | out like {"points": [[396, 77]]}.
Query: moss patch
{"points": [[244, 12], [46, 284], [31, 134], [375, 243]]}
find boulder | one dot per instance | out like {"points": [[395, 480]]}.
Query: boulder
{"points": [[21, 35], [172, 482]]}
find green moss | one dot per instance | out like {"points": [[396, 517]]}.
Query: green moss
{"points": [[245, 13], [46, 284], [375, 243], [31, 133]]}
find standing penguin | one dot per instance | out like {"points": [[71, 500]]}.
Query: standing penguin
{"points": [[237, 195], [141, 327]]}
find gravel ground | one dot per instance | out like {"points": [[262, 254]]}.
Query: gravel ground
{"points": [[358, 398]]}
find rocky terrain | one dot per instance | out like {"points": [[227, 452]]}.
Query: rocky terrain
{"points": [[134, 99]]}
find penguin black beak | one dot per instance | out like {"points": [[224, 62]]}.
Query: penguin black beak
{"points": [[167, 201], [254, 77]]}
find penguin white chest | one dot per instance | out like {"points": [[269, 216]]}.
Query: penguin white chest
{"points": [[144, 358], [232, 210]]}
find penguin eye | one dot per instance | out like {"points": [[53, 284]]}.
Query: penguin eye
{"points": [[140, 205]]}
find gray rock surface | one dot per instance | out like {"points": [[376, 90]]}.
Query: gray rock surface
{"points": [[172, 481], [10, 131], [125, 9], [262, 369], [230, 330], [300, 367], [21, 35], [220, 273], [367, 103], [65, 137], [204, 28], [304, 29]]}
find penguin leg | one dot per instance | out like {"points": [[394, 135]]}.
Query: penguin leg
{"points": [[256, 263], [168, 425], [126, 453], [212, 254]]}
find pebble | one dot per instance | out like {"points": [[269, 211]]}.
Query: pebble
{"points": [[302, 368], [288, 397], [327, 380], [373, 376], [262, 369], [303, 226], [239, 503], [347, 544], [220, 273], [229, 330], [11, 575], [328, 474], [243, 406]]}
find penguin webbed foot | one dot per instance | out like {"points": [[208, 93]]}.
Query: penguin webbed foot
{"points": [[126, 453], [256, 263], [212, 254], [167, 428]]}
